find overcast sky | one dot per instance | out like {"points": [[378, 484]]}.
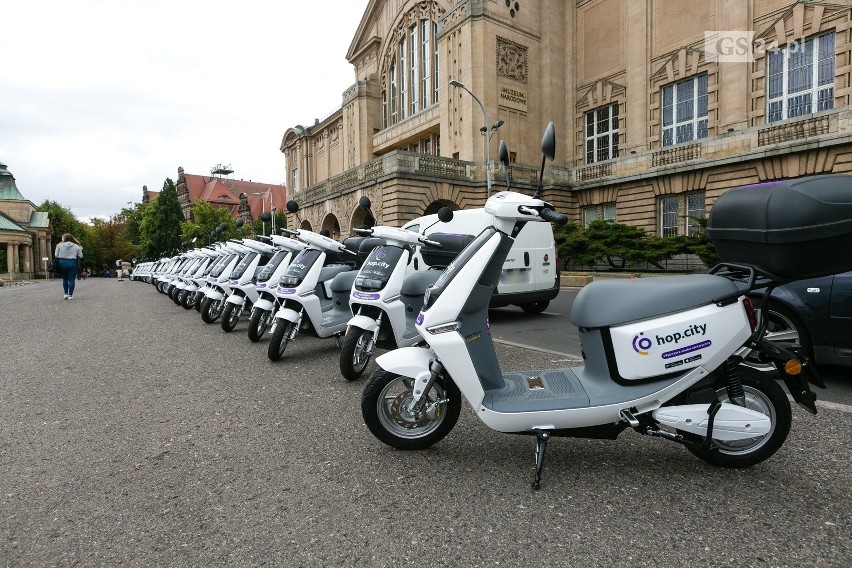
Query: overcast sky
{"points": [[101, 97]]}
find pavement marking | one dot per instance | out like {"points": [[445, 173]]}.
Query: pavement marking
{"points": [[568, 356], [834, 406]]}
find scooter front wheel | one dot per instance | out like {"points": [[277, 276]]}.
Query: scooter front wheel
{"points": [[764, 395], [355, 353], [280, 338], [385, 406], [211, 311], [258, 324], [230, 317]]}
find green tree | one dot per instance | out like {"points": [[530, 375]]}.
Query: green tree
{"points": [[615, 243], [107, 241], [160, 229], [63, 221], [700, 244], [261, 228], [205, 219]]}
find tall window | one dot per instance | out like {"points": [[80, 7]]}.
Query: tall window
{"points": [[295, 180], [602, 134], [605, 211], [694, 209], [801, 78], [685, 110], [677, 213], [412, 76]]}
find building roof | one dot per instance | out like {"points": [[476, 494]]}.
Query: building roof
{"points": [[225, 192], [8, 189], [6, 224], [40, 219]]}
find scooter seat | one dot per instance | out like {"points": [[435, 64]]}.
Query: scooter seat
{"points": [[343, 281], [613, 302], [332, 270], [416, 283]]}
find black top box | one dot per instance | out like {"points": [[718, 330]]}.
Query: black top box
{"points": [[791, 229]]}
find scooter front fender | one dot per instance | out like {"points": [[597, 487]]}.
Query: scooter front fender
{"points": [[236, 299], [214, 294], [287, 314], [408, 361], [264, 305], [363, 322]]}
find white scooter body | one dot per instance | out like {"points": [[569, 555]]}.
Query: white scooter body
{"points": [[241, 281], [456, 328], [266, 287], [387, 299], [302, 299]]}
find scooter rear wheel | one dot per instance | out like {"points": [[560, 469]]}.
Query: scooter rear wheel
{"points": [[764, 395], [280, 338], [258, 324], [384, 406], [230, 317], [355, 352]]}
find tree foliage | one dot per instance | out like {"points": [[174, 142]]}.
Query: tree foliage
{"points": [[618, 245], [205, 220], [63, 221], [160, 229]]}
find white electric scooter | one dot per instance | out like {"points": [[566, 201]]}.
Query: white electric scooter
{"points": [[267, 282], [313, 293], [386, 302], [242, 281], [662, 356], [218, 289]]}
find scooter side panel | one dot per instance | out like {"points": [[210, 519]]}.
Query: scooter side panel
{"points": [[678, 341]]}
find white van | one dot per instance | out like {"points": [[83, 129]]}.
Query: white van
{"points": [[530, 277]]}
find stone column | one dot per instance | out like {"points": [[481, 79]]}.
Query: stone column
{"points": [[13, 258], [28, 258]]}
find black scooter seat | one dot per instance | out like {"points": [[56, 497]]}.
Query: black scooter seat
{"points": [[416, 283], [343, 281], [614, 302], [332, 270]]}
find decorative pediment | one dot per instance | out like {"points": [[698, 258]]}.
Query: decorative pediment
{"points": [[801, 20], [680, 64], [601, 93]]}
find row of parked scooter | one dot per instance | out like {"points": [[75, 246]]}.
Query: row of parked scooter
{"points": [[362, 291], [662, 356]]}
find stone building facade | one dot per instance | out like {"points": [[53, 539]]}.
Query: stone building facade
{"points": [[24, 233], [659, 106]]}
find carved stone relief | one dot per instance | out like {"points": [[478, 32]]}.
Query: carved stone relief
{"points": [[511, 60]]}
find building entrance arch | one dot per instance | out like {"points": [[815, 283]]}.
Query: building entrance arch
{"points": [[332, 225], [306, 225], [437, 205]]}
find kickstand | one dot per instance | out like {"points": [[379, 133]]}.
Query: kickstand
{"points": [[541, 438]]}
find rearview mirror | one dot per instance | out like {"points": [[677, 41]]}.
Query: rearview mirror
{"points": [[292, 206], [548, 141], [445, 214]]}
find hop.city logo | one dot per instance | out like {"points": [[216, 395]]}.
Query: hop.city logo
{"points": [[381, 254], [642, 344]]}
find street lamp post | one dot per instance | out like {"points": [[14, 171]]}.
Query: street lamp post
{"points": [[486, 130]]}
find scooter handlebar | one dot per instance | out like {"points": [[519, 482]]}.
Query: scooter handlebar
{"points": [[553, 216], [434, 244]]}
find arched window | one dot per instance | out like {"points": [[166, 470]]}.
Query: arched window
{"points": [[410, 82]]}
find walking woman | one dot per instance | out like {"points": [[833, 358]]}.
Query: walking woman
{"points": [[68, 254]]}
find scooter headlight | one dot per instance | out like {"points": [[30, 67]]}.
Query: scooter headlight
{"points": [[288, 281], [368, 284]]}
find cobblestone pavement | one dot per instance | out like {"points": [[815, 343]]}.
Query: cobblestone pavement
{"points": [[132, 434]]}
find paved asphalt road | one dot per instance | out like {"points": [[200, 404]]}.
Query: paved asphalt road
{"points": [[132, 434]]}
